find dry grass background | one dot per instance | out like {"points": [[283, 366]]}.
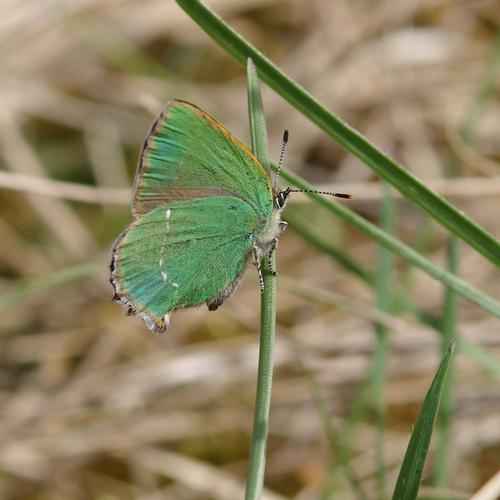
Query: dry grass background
{"points": [[92, 406]]}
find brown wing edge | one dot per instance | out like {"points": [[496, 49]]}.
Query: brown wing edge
{"points": [[124, 298], [140, 167], [218, 299]]}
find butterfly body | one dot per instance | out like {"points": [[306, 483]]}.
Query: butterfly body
{"points": [[202, 205]]}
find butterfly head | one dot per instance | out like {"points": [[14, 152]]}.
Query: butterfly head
{"points": [[281, 198]]}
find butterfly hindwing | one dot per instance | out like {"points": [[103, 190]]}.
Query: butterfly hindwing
{"points": [[188, 155], [181, 255]]}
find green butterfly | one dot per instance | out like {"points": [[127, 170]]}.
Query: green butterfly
{"points": [[202, 204]]}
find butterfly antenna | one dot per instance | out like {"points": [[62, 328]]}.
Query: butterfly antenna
{"points": [[329, 193], [280, 162]]}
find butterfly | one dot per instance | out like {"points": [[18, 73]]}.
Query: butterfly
{"points": [[202, 204]]}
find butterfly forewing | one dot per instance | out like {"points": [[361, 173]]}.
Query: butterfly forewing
{"points": [[188, 155]]}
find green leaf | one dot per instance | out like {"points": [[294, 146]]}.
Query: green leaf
{"points": [[410, 474]]}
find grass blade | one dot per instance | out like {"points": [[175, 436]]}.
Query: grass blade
{"points": [[410, 474], [352, 141]]}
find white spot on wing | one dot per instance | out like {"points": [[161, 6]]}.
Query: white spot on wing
{"points": [[160, 262], [164, 275], [168, 213], [175, 285]]}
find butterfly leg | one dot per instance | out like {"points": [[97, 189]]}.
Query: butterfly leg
{"points": [[272, 249], [257, 257]]}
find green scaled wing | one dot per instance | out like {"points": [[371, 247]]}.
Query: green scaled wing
{"points": [[182, 254], [188, 155]]}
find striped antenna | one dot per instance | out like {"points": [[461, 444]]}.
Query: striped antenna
{"points": [[338, 195], [282, 154]]}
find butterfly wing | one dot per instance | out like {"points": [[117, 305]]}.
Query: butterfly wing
{"points": [[182, 255], [188, 154]]}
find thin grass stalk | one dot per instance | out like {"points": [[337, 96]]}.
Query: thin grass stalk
{"points": [[422, 243], [382, 287], [257, 462], [449, 331], [450, 318]]}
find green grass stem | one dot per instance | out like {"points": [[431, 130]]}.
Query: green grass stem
{"points": [[257, 462], [450, 318], [449, 331], [383, 301]]}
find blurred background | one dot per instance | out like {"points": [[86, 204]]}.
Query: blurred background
{"points": [[92, 404]]}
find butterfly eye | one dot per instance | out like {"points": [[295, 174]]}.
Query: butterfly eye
{"points": [[281, 198], [278, 201]]}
